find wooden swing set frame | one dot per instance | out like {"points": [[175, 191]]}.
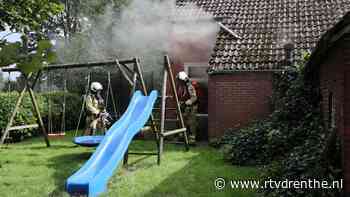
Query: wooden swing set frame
{"points": [[122, 65]]}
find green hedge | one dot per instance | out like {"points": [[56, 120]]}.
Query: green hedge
{"points": [[26, 116]]}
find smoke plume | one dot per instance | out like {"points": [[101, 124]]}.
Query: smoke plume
{"points": [[146, 29]]}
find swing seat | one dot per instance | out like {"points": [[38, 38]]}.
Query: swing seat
{"points": [[56, 135], [88, 141]]}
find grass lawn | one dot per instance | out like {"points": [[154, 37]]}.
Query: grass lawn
{"points": [[30, 169]]}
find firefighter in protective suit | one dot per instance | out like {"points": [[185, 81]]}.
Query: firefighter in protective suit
{"points": [[94, 108], [189, 103]]}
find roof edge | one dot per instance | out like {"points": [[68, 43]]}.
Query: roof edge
{"points": [[223, 72], [326, 42]]}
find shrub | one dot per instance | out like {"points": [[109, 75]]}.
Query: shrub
{"points": [[246, 146], [304, 162], [290, 142], [24, 115]]}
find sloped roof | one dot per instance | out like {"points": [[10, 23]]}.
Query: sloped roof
{"points": [[328, 40], [264, 27]]}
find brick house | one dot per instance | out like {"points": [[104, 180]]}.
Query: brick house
{"points": [[329, 68], [256, 39]]}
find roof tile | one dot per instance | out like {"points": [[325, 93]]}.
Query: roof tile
{"points": [[264, 26]]}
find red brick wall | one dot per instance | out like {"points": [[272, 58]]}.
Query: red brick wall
{"points": [[332, 81], [346, 136], [335, 79], [236, 99]]}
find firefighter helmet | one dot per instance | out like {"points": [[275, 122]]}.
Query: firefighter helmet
{"points": [[96, 86], [182, 76]]}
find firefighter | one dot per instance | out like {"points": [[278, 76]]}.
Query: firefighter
{"points": [[94, 108], [189, 103]]}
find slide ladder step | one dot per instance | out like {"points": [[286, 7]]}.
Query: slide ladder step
{"points": [[142, 153], [146, 128], [170, 108], [170, 120], [166, 96], [172, 132]]}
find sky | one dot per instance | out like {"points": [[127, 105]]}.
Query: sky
{"points": [[13, 37]]}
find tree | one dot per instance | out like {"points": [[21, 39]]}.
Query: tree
{"points": [[27, 17], [75, 24], [29, 55]]}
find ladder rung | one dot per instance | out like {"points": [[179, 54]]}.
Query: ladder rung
{"points": [[170, 108], [142, 153], [146, 128], [165, 96], [172, 132], [23, 127], [176, 142], [170, 120]]}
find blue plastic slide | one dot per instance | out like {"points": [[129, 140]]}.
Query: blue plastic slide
{"points": [[91, 179]]}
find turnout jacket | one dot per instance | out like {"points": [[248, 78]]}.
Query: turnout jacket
{"points": [[94, 105], [187, 93]]}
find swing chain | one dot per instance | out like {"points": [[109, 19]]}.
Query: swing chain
{"points": [[83, 104], [63, 119]]}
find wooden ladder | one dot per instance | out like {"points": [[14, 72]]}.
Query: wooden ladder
{"points": [[168, 73], [158, 125]]}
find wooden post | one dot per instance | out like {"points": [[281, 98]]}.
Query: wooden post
{"points": [[38, 115], [27, 87], [126, 158], [36, 107], [153, 124], [76, 65], [134, 80], [143, 84], [163, 110], [178, 108], [139, 72], [133, 89], [13, 115], [110, 91], [123, 72]]}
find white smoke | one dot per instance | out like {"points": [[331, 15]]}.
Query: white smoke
{"points": [[146, 29]]}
